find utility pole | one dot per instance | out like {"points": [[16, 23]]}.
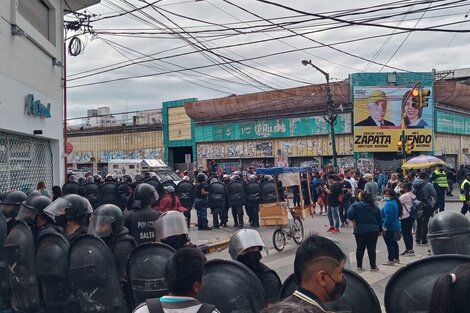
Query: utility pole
{"points": [[331, 112]]}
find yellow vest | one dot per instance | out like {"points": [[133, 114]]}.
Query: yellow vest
{"points": [[441, 179], [463, 197]]}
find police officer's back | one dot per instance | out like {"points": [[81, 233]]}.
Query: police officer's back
{"points": [[141, 220]]}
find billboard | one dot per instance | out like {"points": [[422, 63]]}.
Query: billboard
{"points": [[378, 119]]}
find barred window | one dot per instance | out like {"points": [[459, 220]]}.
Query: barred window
{"points": [[36, 12]]}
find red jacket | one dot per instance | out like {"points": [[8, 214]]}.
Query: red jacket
{"points": [[165, 204]]}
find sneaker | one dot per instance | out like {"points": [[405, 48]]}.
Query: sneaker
{"points": [[404, 253], [388, 263], [425, 244], [330, 229], [359, 268], [410, 253], [334, 231], [204, 228], [396, 261], [418, 244], [374, 269]]}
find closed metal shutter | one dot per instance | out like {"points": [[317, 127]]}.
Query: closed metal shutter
{"points": [[35, 12], [24, 161]]}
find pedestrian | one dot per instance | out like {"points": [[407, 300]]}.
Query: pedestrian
{"points": [[439, 181], [346, 195], [407, 221], [183, 277], [465, 194], [333, 190], [391, 212], [451, 178], [41, 187], [170, 201], [371, 187], [314, 189], [352, 182], [318, 273], [450, 292], [367, 223], [56, 192], [392, 182], [424, 192]]}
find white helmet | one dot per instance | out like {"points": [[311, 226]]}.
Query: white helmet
{"points": [[244, 239]]}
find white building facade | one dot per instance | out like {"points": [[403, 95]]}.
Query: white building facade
{"points": [[32, 92]]}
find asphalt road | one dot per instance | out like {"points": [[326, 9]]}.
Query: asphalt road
{"points": [[282, 262]]}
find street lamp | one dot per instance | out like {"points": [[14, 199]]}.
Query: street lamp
{"points": [[331, 112]]}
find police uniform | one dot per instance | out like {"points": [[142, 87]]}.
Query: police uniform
{"points": [[141, 224], [465, 196], [439, 181]]}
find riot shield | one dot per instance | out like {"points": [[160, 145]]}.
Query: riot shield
{"points": [[146, 271], [410, 288], [216, 197], [449, 233], [70, 188], [108, 194], [253, 193], [92, 193], [4, 299], [358, 297], [122, 190], [268, 192], [236, 193], [21, 265], [185, 191], [231, 287], [53, 272], [155, 183], [94, 276]]}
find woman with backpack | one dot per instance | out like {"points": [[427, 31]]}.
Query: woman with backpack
{"points": [[391, 212], [407, 219]]}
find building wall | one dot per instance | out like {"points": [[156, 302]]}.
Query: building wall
{"points": [[27, 69]]}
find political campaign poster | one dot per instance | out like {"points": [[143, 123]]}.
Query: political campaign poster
{"points": [[382, 113]]}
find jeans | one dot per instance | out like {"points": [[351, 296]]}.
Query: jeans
{"points": [[343, 210], [422, 226], [406, 231], [366, 240], [200, 206], [392, 246], [333, 216], [440, 199]]}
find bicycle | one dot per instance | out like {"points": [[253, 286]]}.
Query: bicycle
{"points": [[294, 230]]}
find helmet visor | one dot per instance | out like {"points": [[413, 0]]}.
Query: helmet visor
{"points": [[26, 213], [57, 208], [101, 226], [9, 210]]}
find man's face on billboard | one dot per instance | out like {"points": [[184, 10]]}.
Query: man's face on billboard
{"points": [[378, 109]]}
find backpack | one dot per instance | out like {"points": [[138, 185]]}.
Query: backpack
{"points": [[155, 306], [417, 209]]}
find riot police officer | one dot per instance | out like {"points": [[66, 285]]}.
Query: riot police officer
{"points": [[171, 229], [245, 247], [107, 223], [200, 202], [141, 220], [71, 213], [10, 205], [465, 194], [253, 200], [32, 213]]}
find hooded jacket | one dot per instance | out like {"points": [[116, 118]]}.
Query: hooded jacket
{"points": [[366, 217], [424, 193]]}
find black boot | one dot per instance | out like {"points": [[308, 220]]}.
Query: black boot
{"points": [[215, 220]]}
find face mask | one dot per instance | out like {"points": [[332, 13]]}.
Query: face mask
{"points": [[61, 221], [251, 260], [176, 242], [338, 289], [386, 198]]}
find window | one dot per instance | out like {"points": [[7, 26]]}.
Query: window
{"points": [[115, 166], [36, 12], [131, 167]]}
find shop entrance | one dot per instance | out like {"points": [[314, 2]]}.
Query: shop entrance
{"points": [[177, 157]]}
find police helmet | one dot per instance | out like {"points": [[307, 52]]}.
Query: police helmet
{"points": [[252, 177], [144, 195], [90, 179], [73, 207], [244, 239], [201, 177], [170, 223], [11, 202], [32, 207], [268, 178], [106, 221], [186, 178], [72, 179], [33, 193]]}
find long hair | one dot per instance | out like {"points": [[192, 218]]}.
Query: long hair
{"points": [[403, 103], [449, 295], [173, 199], [394, 197]]}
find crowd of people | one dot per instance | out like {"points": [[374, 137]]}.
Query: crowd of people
{"points": [[154, 211]]}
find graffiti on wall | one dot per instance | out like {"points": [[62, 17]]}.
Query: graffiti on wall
{"points": [[235, 150], [79, 157], [106, 156]]}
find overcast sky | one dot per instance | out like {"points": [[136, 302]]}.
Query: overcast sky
{"points": [[222, 24]]}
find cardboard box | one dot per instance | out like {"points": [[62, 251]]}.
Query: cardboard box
{"points": [[274, 220], [273, 209]]}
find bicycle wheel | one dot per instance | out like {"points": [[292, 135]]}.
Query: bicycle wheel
{"points": [[279, 240], [298, 235]]}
